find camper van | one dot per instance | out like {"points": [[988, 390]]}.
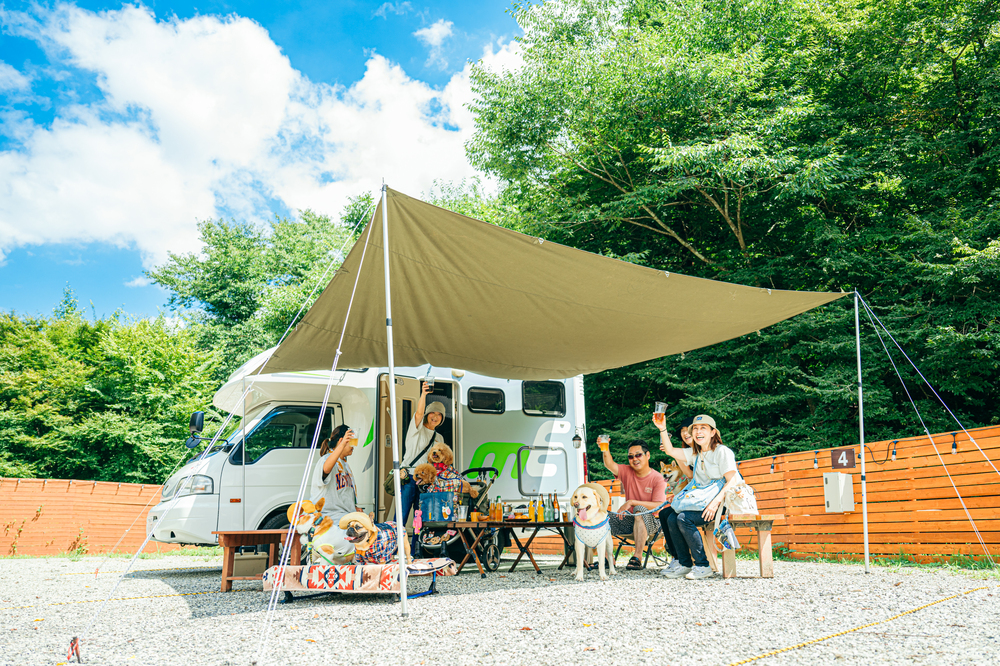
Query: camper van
{"points": [[247, 481]]}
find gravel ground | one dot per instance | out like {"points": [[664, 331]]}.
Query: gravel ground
{"points": [[509, 619]]}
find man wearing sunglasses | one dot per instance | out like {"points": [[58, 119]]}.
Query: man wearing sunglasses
{"points": [[644, 490]]}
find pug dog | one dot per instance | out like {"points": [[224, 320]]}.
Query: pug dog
{"points": [[591, 502], [374, 543]]}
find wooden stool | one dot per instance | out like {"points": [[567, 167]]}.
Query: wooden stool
{"points": [[762, 523]]}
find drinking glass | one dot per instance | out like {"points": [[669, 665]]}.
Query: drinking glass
{"points": [[603, 441]]}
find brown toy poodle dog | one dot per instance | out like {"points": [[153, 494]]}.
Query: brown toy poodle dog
{"points": [[439, 474]]}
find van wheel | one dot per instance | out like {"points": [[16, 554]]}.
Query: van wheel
{"points": [[279, 521]]}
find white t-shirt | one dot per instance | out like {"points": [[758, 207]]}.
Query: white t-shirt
{"points": [[712, 464], [338, 488], [417, 439]]}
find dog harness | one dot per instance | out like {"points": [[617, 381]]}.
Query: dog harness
{"points": [[383, 549], [592, 535]]}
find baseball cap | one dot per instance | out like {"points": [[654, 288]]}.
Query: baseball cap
{"points": [[704, 418]]}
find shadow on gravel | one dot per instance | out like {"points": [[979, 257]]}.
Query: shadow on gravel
{"points": [[199, 588]]}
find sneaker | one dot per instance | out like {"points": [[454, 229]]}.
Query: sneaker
{"points": [[674, 563], [678, 572], [698, 573]]}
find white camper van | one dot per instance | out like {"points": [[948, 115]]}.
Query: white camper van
{"points": [[525, 429]]}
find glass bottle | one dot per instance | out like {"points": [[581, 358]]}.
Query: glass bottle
{"points": [[555, 507]]}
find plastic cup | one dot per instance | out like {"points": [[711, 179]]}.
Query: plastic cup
{"points": [[353, 441], [661, 408], [603, 442], [430, 383]]}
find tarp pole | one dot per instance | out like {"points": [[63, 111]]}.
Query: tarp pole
{"points": [[400, 519], [861, 426]]}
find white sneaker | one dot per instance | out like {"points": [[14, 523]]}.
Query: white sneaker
{"points": [[679, 572], [674, 563], [698, 573]]}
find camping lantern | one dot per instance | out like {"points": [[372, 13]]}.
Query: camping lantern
{"points": [[577, 441]]}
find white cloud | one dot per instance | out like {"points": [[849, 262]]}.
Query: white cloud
{"points": [[207, 118], [398, 8], [433, 37], [139, 282], [11, 79]]}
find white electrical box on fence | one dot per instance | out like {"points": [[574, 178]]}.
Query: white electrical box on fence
{"points": [[838, 491]]}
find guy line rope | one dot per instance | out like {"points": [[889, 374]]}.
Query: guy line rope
{"points": [[290, 540], [968, 515], [337, 256]]}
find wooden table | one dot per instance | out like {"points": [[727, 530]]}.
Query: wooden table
{"points": [[762, 523], [557, 526], [233, 540]]}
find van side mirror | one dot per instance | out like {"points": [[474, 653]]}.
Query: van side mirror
{"points": [[197, 422], [192, 441]]}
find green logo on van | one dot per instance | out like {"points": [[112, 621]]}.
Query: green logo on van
{"points": [[500, 452]]}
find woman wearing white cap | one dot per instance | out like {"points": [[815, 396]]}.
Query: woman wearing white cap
{"points": [[420, 437], [714, 466]]}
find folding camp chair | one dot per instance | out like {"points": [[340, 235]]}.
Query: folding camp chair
{"points": [[654, 534]]}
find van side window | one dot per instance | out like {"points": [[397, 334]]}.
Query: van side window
{"points": [[286, 427], [544, 399], [486, 401]]}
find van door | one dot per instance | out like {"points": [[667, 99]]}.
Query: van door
{"points": [[277, 450], [407, 394]]}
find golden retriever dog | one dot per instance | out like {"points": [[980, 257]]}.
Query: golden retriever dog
{"points": [[311, 518], [591, 502], [439, 472], [374, 543], [676, 480]]}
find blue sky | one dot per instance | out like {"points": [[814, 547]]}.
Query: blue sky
{"points": [[121, 125]]}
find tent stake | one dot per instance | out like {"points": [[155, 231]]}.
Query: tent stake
{"points": [[398, 502], [861, 426]]}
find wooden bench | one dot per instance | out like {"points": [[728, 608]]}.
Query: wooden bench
{"points": [[762, 523], [231, 541]]}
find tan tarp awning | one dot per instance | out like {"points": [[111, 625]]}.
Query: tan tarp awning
{"points": [[471, 295]]}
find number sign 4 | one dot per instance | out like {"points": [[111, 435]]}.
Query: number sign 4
{"points": [[842, 459]]}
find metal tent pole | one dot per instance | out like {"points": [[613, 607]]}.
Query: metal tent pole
{"points": [[861, 426], [400, 520]]}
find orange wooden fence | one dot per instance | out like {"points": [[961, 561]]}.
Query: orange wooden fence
{"points": [[48, 516], [913, 510]]}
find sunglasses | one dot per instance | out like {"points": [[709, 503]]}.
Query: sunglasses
{"points": [[635, 456]]}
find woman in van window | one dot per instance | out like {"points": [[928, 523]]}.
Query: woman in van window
{"points": [[711, 461], [419, 437]]}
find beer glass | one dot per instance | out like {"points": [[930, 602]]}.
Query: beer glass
{"points": [[603, 441]]}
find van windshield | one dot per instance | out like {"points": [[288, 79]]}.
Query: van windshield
{"points": [[285, 427]]}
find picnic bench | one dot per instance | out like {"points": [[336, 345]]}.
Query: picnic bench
{"points": [[762, 523], [231, 541]]}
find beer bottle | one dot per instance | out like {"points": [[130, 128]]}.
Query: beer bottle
{"points": [[555, 506]]}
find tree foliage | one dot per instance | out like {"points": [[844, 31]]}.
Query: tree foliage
{"points": [[792, 145], [104, 400], [249, 283]]}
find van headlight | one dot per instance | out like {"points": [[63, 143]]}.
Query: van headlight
{"points": [[169, 488], [196, 484]]}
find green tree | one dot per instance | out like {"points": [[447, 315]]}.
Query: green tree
{"points": [[249, 283], [789, 145], [103, 400]]}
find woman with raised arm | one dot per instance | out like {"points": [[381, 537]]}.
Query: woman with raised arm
{"points": [[714, 471], [665, 514], [420, 436]]}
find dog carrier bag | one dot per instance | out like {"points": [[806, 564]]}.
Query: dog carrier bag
{"points": [[437, 507]]}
